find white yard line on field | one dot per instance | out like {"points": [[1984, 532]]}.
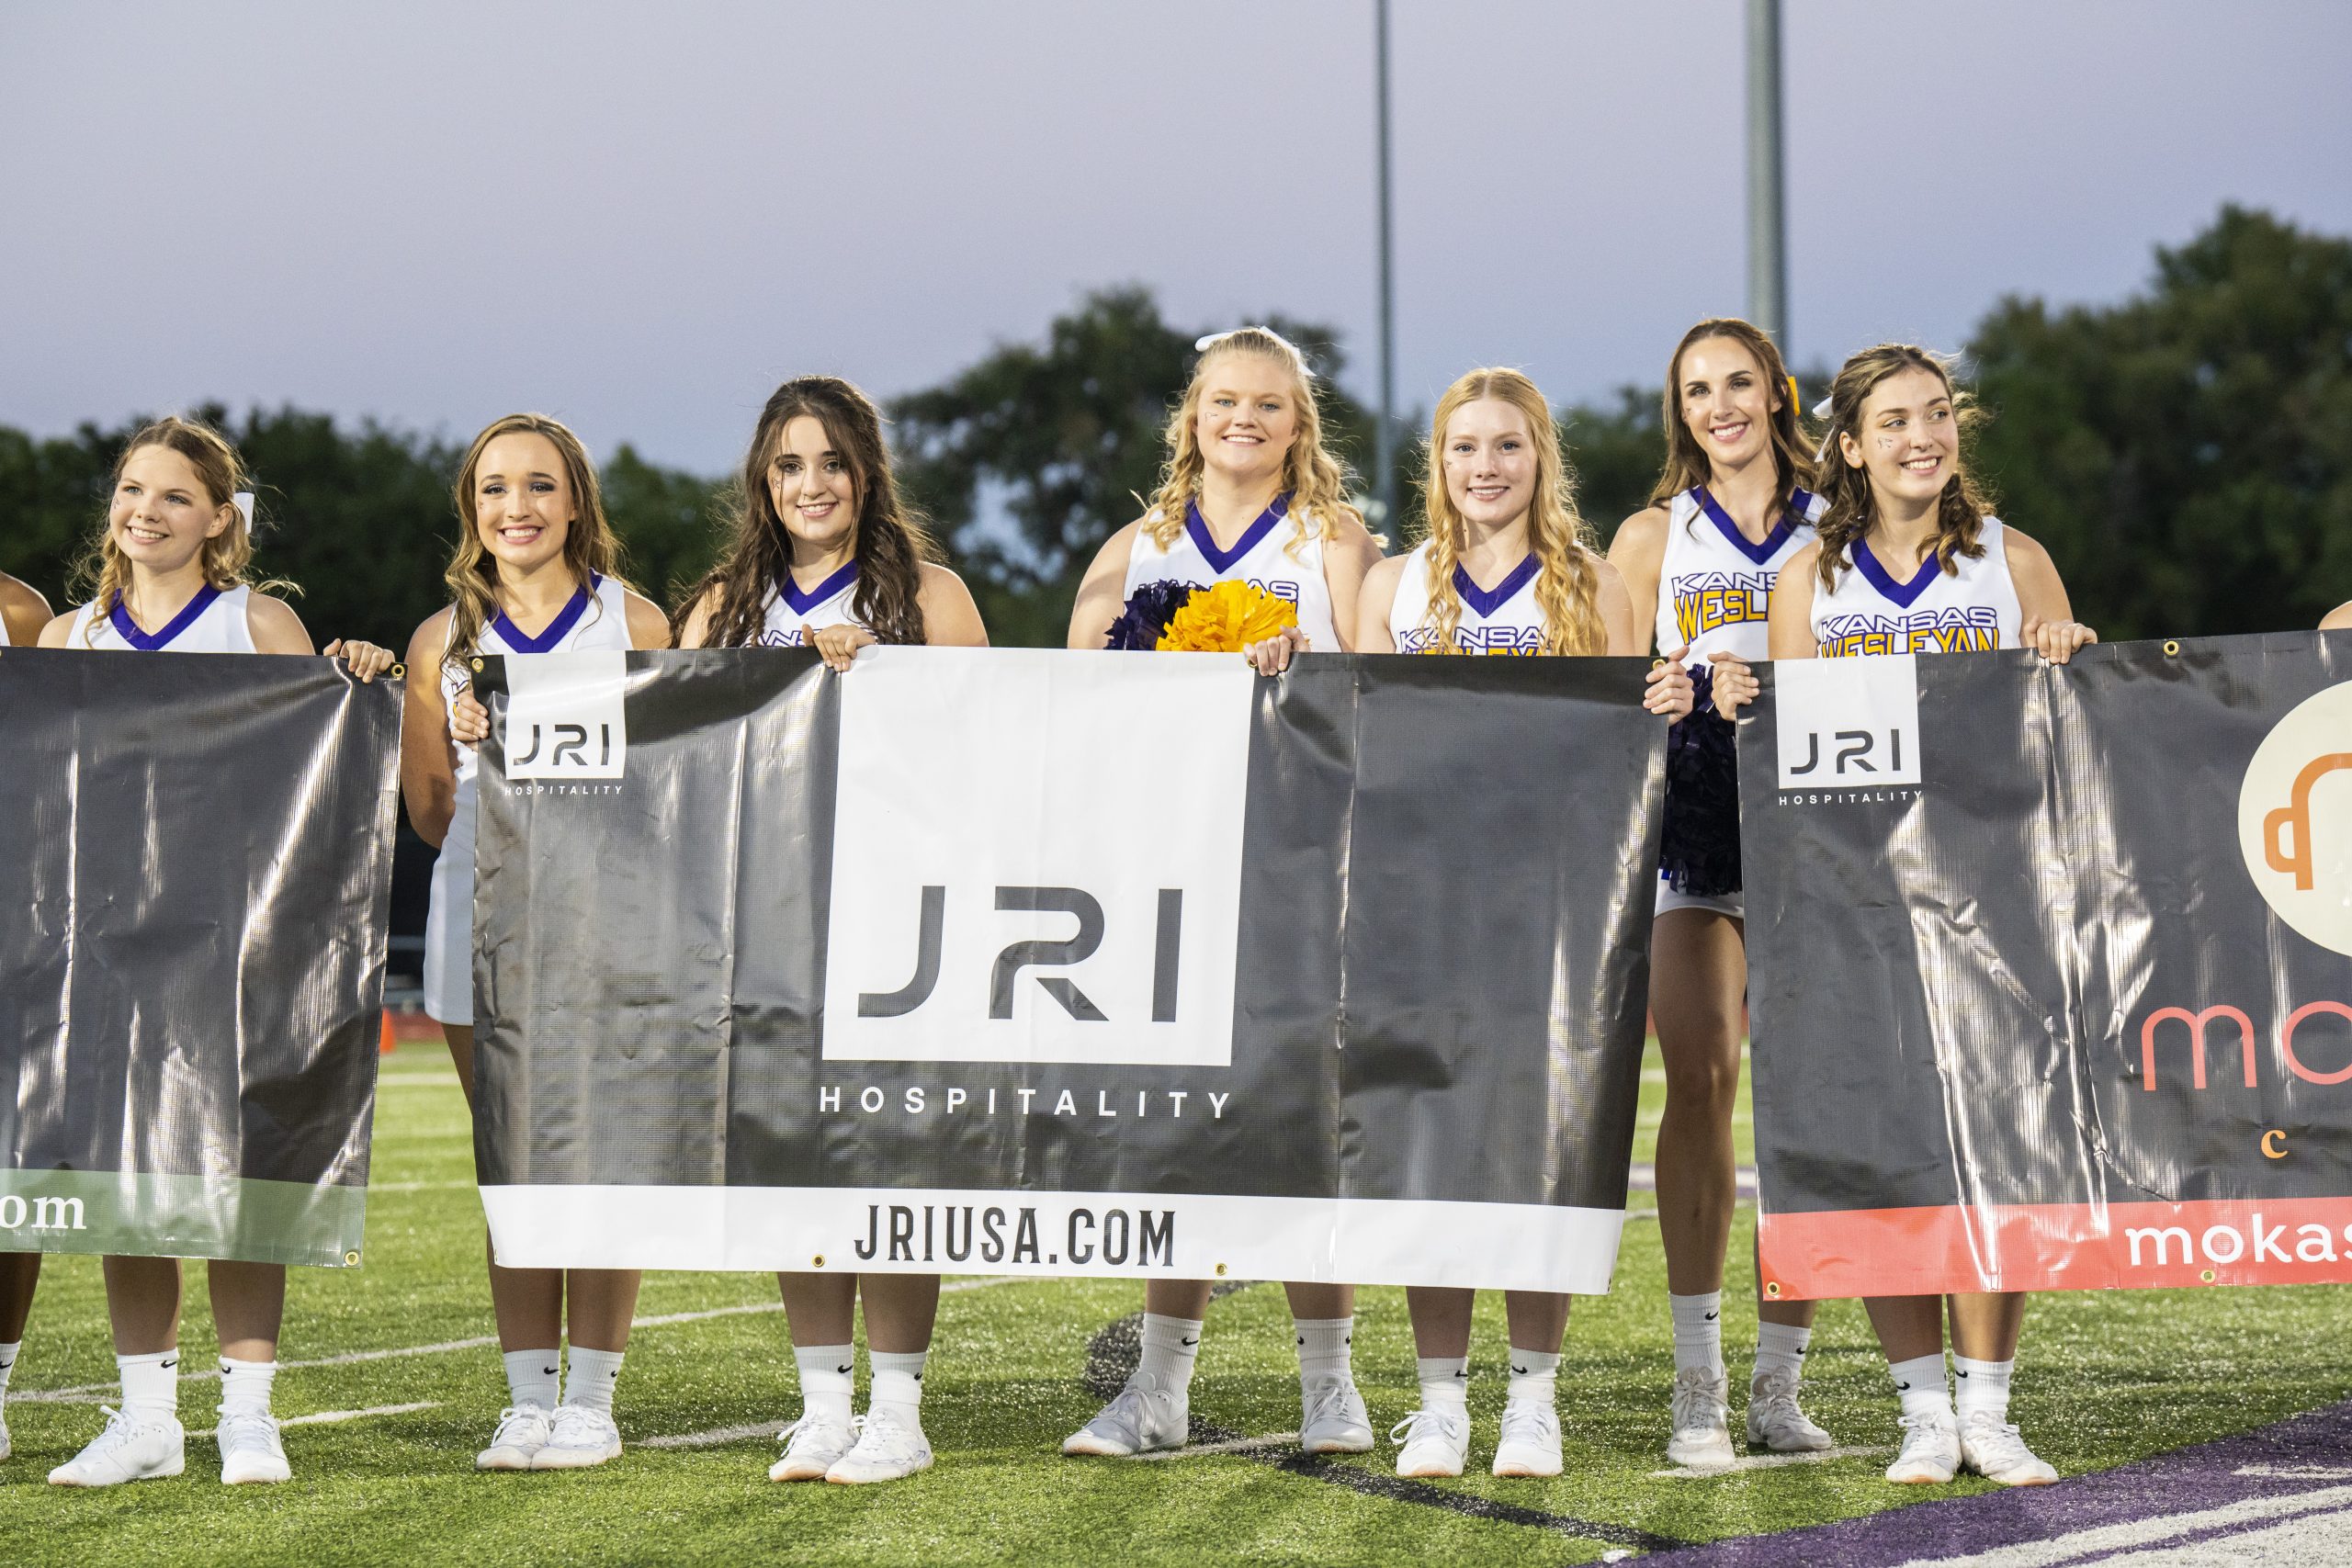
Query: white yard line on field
{"points": [[92, 1393], [1231, 1445], [1643, 1179], [1768, 1461], [331, 1417], [765, 1430]]}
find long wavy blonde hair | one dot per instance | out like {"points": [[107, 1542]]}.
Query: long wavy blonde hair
{"points": [[1567, 579], [591, 548], [103, 571], [1961, 509], [1317, 481]]}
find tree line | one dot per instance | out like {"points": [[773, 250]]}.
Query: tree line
{"points": [[2185, 455]]}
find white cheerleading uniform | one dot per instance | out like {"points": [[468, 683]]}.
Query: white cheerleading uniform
{"points": [[597, 618], [1504, 620], [788, 609], [1715, 592], [212, 622], [1970, 609], [1262, 557]]}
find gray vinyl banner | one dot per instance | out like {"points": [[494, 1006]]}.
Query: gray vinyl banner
{"points": [[2051, 967], [198, 854], [1065, 963]]}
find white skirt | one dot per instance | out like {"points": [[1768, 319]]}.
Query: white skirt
{"points": [[1730, 904], [450, 931]]}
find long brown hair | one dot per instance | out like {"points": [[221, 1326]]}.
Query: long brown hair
{"points": [[1961, 509], [1316, 481], [591, 548], [892, 542], [1686, 460], [1567, 579], [104, 572]]}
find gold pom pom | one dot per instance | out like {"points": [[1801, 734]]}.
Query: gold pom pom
{"points": [[1226, 617]]}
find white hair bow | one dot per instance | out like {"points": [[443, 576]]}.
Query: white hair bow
{"points": [[244, 501]]}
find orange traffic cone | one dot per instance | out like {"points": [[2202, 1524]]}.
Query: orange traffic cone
{"points": [[390, 1038]]}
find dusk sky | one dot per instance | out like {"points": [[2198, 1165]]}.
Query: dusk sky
{"points": [[640, 218]]}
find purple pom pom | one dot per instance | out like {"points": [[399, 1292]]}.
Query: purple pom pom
{"points": [[1145, 619], [1700, 850]]}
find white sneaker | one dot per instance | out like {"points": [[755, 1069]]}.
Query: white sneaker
{"points": [[812, 1445], [1331, 1417], [1530, 1440], [1774, 1422], [251, 1453], [1701, 1435], [1432, 1443], [1991, 1447], [577, 1439], [522, 1432], [887, 1449], [128, 1450], [1930, 1454], [1145, 1416]]}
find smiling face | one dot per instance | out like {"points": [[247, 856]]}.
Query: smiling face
{"points": [[162, 514], [1907, 438], [1247, 416], [811, 486], [524, 504], [1488, 459], [1727, 403]]}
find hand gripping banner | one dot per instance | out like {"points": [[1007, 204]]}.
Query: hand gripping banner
{"points": [[1057, 963], [199, 854], [2051, 967]]}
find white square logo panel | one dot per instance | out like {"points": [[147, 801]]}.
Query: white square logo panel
{"points": [[1848, 723], [1038, 857], [565, 717]]}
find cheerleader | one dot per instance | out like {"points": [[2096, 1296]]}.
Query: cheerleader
{"points": [[1506, 568], [23, 612], [170, 571], [1250, 494], [1728, 512], [1907, 540], [534, 571], [826, 556]]}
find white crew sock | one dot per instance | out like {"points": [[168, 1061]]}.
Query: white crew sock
{"points": [[151, 1385], [590, 1378], [898, 1384], [1445, 1382], [1780, 1348], [531, 1377], [1323, 1346], [825, 1385], [1171, 1348], [8, 1353], [1533, 1375], [1919, 1384], [1697, 1331], [1983, 1385], [244, 1386]]}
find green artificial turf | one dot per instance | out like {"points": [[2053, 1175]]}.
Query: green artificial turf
{"points": [[2103, 1379]]}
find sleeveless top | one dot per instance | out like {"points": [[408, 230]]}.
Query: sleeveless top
{"points": [[1506, 620], [1262, 557], [1973, 610], [596, 618], [1714, 585], [827, 605], [212, 622]]}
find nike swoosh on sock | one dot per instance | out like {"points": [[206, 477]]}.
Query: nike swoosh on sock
{"points": [[167, 1366], [845, 1370], [1188, 1341]]}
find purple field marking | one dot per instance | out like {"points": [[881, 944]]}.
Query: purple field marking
{"points": [[2180, 1482]]}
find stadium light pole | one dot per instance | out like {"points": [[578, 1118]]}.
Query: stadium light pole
{"points": [[1767, 255], [1384, 437]]}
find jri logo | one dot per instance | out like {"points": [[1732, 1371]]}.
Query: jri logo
{"points": [[1057, 875], [1848, 723], [564, 715], [2295, 818]]}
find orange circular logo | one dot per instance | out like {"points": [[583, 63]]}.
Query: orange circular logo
{"points": [[2295, 818]]}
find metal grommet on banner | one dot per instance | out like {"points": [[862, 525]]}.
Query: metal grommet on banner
{"points": [[2207, 1276], [1220, 1271], [1773, 1290], [351, 1260], [477, 666], [818, 1261], [398, 672], [2172, 648]]}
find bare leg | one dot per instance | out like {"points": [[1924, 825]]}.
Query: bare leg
{"points": [[19, 1273], [143, 1303], [819, 1309], [601, 1301], [1697, 977], [1312, 1301], [1440, 1316], [1176, 1298], [528, 1302], [1908, 1326], [1986, 1324], [1539, 1320], [248, 1307], [900, 1310]]}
